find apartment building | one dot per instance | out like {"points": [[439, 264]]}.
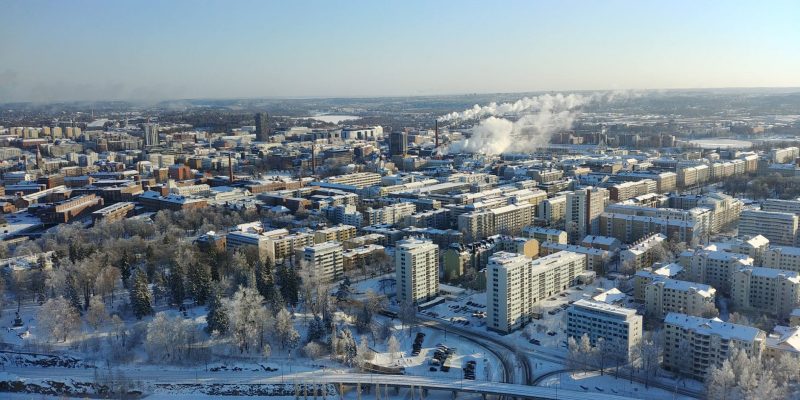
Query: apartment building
{"points": [[552, 211], [416, 263], [516, 284], [545, 234], [664, 296], [596, 259], [582, 212], [713, 267], [506, 220], [358, 179], [783, 206], [725, 211], [391, 214], [645, 277], [643, 253], [779, 228], [326, 260], [692, 344], [782, 257], [772, 291], [458, 257], [338, 233], [784, 155], [756, 248], [630, 189], [281, 247], [620, 328]]}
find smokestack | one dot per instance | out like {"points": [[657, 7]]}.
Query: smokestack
{"points": [[230, 169], [436, 136]]}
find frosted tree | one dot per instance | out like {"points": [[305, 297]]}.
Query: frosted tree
{"points": [[217, 317], [312, 350], [393, 347], [96, 314], [364, 353], [248, 319], [721, 382], [58, 319], [169, 339], [284, 328], [141, 300]]}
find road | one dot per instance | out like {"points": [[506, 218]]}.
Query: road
{"points": [[156, 376]]}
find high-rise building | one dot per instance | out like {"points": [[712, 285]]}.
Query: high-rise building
{"points": [[326, 260], [779, 228], [693, 345], [151, 134], [766, 290], [398, 143], [582, 213], [621, 328], [516, 284], [416, 264], [262, 127]]}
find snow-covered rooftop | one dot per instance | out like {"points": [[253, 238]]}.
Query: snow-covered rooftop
{"points": [[714, 326]]}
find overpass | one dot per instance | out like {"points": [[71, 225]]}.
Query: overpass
{"points": [[379, 383]]}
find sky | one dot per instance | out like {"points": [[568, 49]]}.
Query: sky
{"points": [[178, 49]]}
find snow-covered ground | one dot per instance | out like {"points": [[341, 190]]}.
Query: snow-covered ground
{"points": [[466, 350], [594, 382]]}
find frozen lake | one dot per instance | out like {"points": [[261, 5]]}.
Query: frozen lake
{"points": [[335, 119]]}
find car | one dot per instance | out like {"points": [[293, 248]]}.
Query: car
{"points": [[563, 294], [599, 389], [552, 299], [552, 312], [432, 369], [551, 333]]}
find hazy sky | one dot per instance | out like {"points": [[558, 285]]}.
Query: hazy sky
{"points": [[89, 50]]}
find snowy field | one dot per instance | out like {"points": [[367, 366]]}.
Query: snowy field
{"points": [[593, 382]]}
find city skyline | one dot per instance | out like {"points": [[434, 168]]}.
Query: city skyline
{"points": [[87, 50]]}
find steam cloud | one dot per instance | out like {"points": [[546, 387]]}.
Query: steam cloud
{"points": [[537, 119]]}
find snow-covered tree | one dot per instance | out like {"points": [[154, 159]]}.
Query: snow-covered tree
{"points": [[58, 319], [316, 329], [248, 319], [284, 328], [169, 339], [199, 283], [141, 300], [96, 314], [364, 353], [217, 317], [393, 347]]}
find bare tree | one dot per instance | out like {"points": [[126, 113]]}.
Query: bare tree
{"points": [[96, 314]]}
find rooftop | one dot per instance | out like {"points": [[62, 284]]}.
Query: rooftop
{"points": [[714, 326]]}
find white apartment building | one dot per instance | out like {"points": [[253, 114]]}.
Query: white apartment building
{"points": [[713, 267], [552, 210], [755, 247], [779, 228], [515, 284], [642, 253], [663, 296], [507, 220], [358, 179], [725, 211], [416, 263], [326, 260], [621, 328], [582, 213], [784, 206], [782, 257], [645, 277], [772, 291], [692, 345], [596, 259], [391, 214]]}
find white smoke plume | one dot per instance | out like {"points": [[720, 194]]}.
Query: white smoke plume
{"points": [[537, 119]]}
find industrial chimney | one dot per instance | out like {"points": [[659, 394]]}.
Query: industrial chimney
{"points": [[230, 169]]}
